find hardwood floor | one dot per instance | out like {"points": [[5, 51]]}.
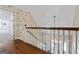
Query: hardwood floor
{"points": [[19, 47], [7, 47], [26, 48]]}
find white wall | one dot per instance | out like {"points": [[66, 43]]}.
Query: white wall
{"points": [[43, 15], [76, 22], [6, 32]]}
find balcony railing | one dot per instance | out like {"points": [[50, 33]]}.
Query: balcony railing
{"points": [[55, 40]]}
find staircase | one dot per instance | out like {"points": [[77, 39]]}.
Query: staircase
{"points": [[61, 40], [22, 47]]}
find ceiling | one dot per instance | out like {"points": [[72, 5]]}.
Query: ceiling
{"points": [[43, 15]]}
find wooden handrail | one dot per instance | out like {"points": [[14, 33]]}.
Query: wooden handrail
{"points": [[55, 28], [34, 36]]}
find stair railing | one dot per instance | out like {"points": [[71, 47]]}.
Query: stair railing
{"points": [[35, 37], [58, 40]]}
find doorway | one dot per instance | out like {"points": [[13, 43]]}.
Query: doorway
{"points": [[6, 30]]}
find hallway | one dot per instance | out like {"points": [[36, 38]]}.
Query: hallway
{"points": [[51, 30]]}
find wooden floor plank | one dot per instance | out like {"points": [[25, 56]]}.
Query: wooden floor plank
{"points": [[19, 47]]}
